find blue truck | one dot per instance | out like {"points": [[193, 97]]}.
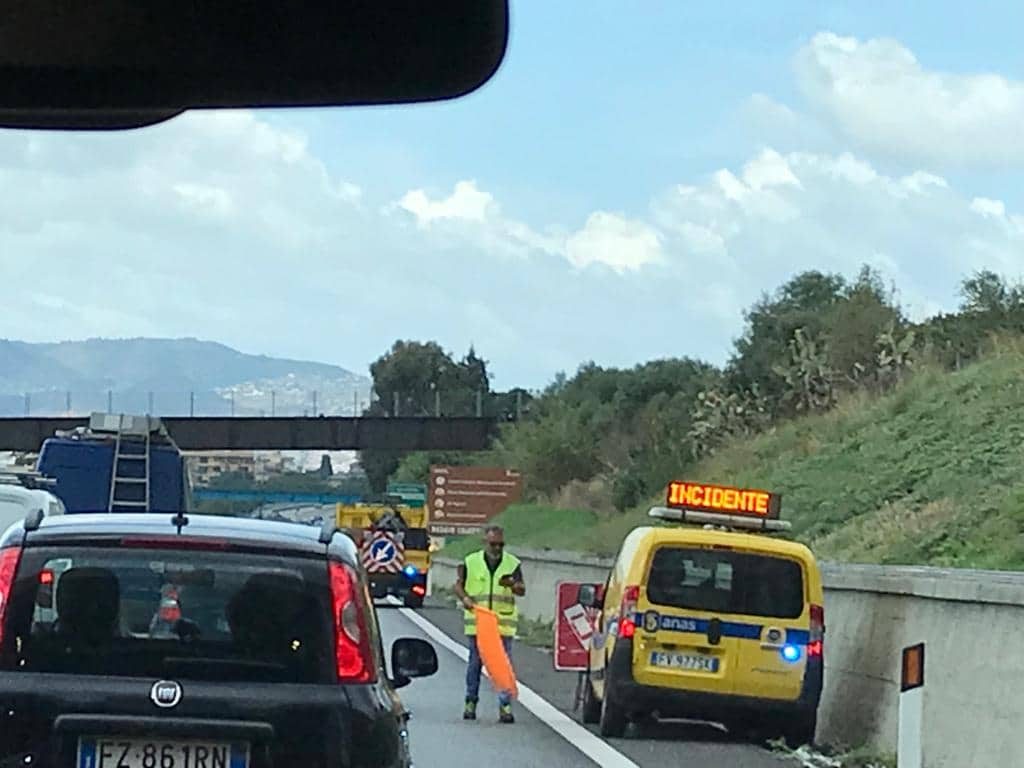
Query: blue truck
{"points": [[118, 463]]}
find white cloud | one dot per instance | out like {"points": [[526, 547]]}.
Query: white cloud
{"points": [[205, 200], [987, 207], [234, 229], [466, 202], [879, 95], [617, 242]]}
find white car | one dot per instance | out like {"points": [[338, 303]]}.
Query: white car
{"points": [[18, 497]]}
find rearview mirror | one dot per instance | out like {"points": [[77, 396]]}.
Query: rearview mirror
{"points": [[590, 596], [120, 64], [410, 658]]}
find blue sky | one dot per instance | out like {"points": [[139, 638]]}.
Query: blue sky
{"points": [[621, 189]]}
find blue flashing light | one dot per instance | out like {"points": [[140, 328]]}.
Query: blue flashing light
{"points": [[791, 653], [411, 571]]}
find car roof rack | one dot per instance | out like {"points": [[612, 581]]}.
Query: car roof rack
{"points": [[719, 520], [26, 479]]}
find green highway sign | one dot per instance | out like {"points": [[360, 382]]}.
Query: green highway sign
{"points": [[411, 493]]}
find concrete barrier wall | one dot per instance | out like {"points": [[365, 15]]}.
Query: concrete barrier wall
{"points": [[972, 623]]}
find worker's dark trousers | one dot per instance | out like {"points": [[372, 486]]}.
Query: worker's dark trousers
{"points": [[475, 666]]}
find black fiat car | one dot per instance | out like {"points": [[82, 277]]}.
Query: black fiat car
{"points": [[165, 641]]}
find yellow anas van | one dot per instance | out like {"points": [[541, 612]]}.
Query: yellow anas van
{"points": [[702, 619]]}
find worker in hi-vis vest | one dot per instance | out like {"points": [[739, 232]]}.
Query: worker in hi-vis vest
{"points": [[491, 578]]}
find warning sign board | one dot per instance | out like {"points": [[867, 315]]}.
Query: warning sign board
{"points": [[574, 626], [464, 499], [382, 552]]}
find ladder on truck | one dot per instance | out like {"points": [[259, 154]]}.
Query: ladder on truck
{"points": [[130, 473]]}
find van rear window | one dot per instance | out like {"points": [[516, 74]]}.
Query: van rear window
{"points": [[197, 615], [723, 581]]}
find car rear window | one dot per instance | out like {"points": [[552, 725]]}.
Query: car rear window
{"points": [[201, 615], [725, 581]]}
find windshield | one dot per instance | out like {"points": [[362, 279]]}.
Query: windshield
{"points": [[769, 246], [726, 582], [159, 613]]}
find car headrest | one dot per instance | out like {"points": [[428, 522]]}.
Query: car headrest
{"points": [[88, 601], [266, 606]]}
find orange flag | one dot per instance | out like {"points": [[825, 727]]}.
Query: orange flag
{"points": [[492, 652]]}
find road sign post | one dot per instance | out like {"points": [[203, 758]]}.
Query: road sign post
{"points": [[574, 626], [911, 714]]}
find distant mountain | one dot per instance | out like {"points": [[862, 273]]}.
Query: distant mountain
{"points": [[180, 375]]}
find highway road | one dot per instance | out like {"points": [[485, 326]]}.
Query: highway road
{"points": [[546, 731]]}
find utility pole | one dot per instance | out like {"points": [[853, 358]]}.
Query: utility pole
{"points": [[315, 411], [191, 403], [273, 403]]}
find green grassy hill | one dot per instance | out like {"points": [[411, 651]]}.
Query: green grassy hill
{"points": [[930, 474]]}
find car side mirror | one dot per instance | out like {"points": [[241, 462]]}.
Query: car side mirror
{"points": [[589, 596], [410, 658]]}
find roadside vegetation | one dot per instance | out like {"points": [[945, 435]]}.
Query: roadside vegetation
{"points": [[891, 441]]}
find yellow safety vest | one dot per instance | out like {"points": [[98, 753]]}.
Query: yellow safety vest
{"points": [[483, 587]]}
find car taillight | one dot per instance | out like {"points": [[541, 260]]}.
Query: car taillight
{"points": [[816, 641], [627, 624], [8, 566], [419, 590], [353, 657]]}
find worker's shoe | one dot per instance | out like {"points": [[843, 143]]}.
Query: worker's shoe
{"points": [[505, 714], [469, 711]]}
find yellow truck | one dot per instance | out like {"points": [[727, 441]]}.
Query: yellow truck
{"points": [[394, 547]]}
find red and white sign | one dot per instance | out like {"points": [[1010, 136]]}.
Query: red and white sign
{"points": [[574, 626]]}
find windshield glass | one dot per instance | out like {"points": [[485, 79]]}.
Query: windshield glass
{"points": [[726, 582], [160, 613]]}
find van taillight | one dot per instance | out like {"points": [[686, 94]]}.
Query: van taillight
{"points": [[627, 622], [8, 566], [816, 642], [353, 657]]}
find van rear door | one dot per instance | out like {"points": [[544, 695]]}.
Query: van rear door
{"points": [[771, 594], [685, 640]]}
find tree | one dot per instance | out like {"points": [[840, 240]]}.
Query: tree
{"points": [[804, 302], [420, 379], [853, 325], [984, 292]]}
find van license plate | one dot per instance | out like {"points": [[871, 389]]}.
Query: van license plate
{"points": [[112, 752], [684, 661]]}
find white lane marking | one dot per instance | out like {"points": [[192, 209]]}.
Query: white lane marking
{"points": [[598, 750]]}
